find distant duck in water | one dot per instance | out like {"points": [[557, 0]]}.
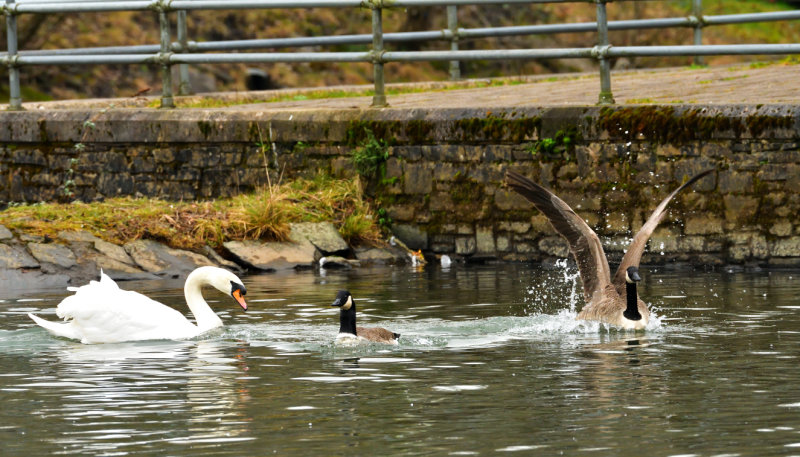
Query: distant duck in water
{"points": [[348, 332], [614, 302]]}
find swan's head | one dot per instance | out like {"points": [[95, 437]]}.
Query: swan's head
{"points": [[225, 282], [632, 275], [343, 300]]}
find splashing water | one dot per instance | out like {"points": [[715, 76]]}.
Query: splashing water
{"points": [[562, 284]]}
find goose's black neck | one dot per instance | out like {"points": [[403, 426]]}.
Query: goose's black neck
{"points": [[347, 320], [632, 310]]}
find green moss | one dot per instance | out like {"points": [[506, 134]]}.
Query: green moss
{"points": [[464, 190], [418, 131], [205, 128], [663, 124], [757, 123], [495, 128]]}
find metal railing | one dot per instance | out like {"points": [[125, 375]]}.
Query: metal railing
{"points": [[184, 52]]}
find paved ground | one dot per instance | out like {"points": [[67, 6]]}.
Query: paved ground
{"points": [[775, 83], [737, 84]]}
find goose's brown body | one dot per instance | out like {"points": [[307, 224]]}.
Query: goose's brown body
{"points": [[377, 334], [606, 300], [609, 308]]}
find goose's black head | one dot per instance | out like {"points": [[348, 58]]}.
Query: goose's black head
{"points": [[347, 313], [632, 275], [343, 300]]}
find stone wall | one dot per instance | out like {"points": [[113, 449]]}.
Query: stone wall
{"points": [[441, 182]]}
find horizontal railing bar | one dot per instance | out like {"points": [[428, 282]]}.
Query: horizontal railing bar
{"points": [[573, 28], [263, 57], [102, 50], [246, 4], [496, 54], [34, 7], [751, 17], [410, 56], [704, 50], [58, 1], [85, 59], [399, 37], [88, 7]]}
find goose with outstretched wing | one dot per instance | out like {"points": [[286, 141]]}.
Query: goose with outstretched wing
{"points": [[614, 301]]}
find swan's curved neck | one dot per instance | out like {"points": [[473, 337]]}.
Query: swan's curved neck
{"points": [[632, 300], [347, 320], [203, 314]]}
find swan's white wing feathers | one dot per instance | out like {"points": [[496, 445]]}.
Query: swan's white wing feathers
{"points": [[103, 313]]}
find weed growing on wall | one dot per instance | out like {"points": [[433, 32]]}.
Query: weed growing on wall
{"points": [[560, 147], [370, 158]]}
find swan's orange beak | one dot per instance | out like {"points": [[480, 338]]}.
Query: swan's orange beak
{"points": [[237, 294]]}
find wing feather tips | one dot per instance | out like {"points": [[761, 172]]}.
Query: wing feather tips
{"points": [[524, 186], [637, 246]]}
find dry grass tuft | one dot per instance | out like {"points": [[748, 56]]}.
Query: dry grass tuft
{"points": [[264, 215]]}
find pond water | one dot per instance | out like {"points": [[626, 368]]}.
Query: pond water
{"points": [[491, 361]]}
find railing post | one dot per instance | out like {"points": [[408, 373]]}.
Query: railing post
{"points": [[15, 95], [452, 25], [166, 68], [379, 98], [606, 97], [184, 87], [697, 12]]}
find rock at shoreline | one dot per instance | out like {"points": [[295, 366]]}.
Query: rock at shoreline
{"points": [[156, 258], [114, 252], [56, 254], [272, 256], [384, 256], [335, 261], [13, 257], [5, 234], [224, 263], [323, 235], [77, 236], [78, 256]]}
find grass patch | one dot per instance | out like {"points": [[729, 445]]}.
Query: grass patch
{"points": [[639, 101], [731, 78], [263, 215]]}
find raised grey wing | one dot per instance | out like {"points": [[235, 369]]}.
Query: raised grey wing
{"points": [[583, 242], [636, 248]]}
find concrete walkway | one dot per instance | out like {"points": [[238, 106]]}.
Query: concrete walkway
{"points": [[769, 84], [772, 84]]}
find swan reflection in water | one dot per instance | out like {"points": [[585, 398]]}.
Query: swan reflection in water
{"points": [[190, 387]]}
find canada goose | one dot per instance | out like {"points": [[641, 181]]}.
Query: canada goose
{"points": [[347, 323], [615, 302], [101, 312]]}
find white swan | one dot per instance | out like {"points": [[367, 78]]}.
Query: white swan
{"points": [[101, 312]]}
